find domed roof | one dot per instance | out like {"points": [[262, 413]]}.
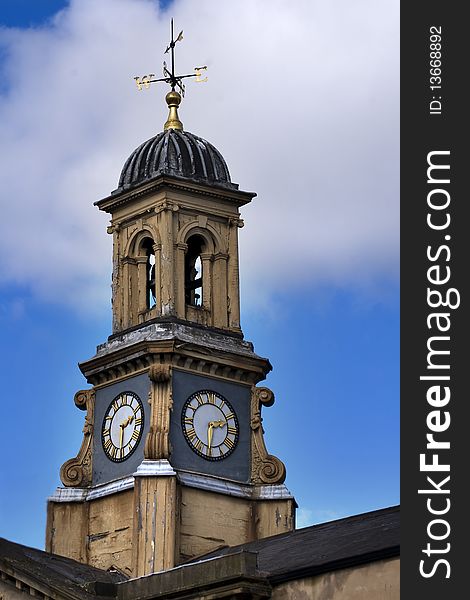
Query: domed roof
{"points": [[177, 153]]}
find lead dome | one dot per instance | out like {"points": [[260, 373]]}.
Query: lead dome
{"points": [[179, 154]]}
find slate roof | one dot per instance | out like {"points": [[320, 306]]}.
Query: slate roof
{"points": [[334, 545], [63, 575]]}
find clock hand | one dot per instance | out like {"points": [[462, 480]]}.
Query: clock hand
{"points": [[127, 421], [209, 433], [123, 425], [210, 430]]}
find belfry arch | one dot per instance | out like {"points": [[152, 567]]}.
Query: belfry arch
{"points": [[136, 297]]}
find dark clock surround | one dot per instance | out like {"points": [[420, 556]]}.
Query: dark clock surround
{"points": [[235, 466], [105, 470]]}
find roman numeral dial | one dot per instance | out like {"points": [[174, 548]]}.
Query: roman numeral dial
{"points": [[210, 425], [122, 427]]}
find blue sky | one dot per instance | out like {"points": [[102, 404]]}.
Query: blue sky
{"points": [[324, 308]]}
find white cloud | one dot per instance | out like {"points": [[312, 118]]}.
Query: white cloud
{"points": [[304, 517], [302, 101], [307, 516]]}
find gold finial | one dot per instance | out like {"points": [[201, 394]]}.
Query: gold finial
{"points": [[173, 99]]}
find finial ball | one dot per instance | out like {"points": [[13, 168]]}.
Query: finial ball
{"points": [[173, 98]]}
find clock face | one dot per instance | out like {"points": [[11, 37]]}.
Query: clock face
{"points": [[122, 428], [210, 425]]}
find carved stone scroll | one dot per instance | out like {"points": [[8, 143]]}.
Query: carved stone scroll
{"points": [[157, 443], [77, 472], [265, 468]]}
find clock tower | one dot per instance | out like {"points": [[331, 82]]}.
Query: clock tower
{"points": [[173, 462]]}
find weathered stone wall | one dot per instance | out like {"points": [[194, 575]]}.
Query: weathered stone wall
{"points": [[98, 533], [208, 521], [375, 581]]}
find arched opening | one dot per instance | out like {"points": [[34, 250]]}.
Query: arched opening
{"points": [[193, 292], [150, 293]]}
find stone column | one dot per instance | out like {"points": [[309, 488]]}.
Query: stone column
{"points": [[116, 285], [154, 541], [167, 260], [233, 275], [219, 289], [141, 286], [125, 317], [181, 250]]}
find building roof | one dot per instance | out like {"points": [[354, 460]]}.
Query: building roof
{"points": [[177, 153], [54, 575], [334, 545]]}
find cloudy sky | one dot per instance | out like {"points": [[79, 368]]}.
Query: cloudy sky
{"points": [[302, 101]]}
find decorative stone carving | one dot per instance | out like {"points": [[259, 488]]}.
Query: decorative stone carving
{"points": [[265, 468], [157, 443], [160, 373], [77, 472]]}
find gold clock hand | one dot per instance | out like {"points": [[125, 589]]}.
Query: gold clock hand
{"points": [[127, 421], [209, 433], [123, 425]]}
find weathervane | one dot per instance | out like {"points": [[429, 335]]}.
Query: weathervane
{"points": [[173, 98]]}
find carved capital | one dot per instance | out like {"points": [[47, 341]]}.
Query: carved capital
{"points": [[236, 222], [77, 472], [265, 468], [160, 373], [221, 256], [167, 205]]}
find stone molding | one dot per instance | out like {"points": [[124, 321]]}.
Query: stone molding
{"points": [[234, 488], [87, 494], [162, 468]]}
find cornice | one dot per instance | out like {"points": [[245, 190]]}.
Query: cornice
{"points": [[122, 197], [181, 346]]}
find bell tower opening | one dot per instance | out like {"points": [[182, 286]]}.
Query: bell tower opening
{"points": [[193, 289], [151, 298]]}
